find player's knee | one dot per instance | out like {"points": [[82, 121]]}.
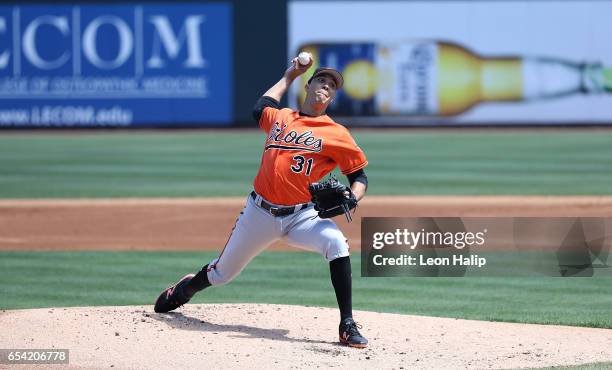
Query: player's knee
{"points": [[336, 247]]}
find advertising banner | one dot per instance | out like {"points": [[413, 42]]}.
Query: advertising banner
{"points": [[441, 62], [146, 64]]}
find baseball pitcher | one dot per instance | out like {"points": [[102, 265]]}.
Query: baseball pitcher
{"points": [[287, 203]]}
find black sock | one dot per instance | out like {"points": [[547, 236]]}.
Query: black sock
{"points": [[340, 270], [199, 282]]}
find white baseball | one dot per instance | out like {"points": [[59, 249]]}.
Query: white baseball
{"points": [[304, 58]]}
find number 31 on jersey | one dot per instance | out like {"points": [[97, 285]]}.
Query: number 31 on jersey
{"points": [[298, 167]]}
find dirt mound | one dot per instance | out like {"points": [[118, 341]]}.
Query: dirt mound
{"points": [[279, 336]]}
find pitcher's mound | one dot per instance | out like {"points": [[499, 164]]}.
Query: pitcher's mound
{"points": [[279, 336]]}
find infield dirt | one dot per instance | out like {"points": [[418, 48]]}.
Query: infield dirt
{"points": [[279, 336], [269, 336], [205, 223]]}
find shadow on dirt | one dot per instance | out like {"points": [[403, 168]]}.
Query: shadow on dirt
{"points": [[177, 320]]}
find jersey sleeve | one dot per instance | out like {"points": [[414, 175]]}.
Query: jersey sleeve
{"points": [[346, 153], [268, 117], [265, 112]]}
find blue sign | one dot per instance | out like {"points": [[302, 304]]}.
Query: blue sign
{"points": [[154, 64]]}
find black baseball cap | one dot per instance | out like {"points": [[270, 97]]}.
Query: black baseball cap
{"points": [[334, 74]]}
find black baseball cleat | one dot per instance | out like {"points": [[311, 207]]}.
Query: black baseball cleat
{"points": [[173, 297], [350, 335]]}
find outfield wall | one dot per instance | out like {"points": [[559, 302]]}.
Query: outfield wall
{"points": [[148, 64], [461, 62], [204, 64]]}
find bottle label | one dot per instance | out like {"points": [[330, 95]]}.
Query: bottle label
{"points": [[408, 78]]}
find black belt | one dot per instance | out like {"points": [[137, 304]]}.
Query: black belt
{"points": [[277, 211]]}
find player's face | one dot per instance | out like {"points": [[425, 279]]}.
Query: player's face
{"points": [[321, 90]]}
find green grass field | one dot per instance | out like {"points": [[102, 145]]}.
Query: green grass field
{"points": [[176, 164], [186, 164], [52, 279]]}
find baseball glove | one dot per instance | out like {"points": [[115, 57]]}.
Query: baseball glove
{"points": [[332, 198]]}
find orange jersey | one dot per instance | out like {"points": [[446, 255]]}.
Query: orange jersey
{"points": [[300, 150]]}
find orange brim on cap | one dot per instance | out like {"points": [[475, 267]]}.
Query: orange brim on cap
{"points": [[337, 76]]}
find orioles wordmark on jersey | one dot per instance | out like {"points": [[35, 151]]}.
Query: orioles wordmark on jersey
{"points": [[300, 150]]}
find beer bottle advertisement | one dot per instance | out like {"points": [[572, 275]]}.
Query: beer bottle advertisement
{"points": [[530, 74]]}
